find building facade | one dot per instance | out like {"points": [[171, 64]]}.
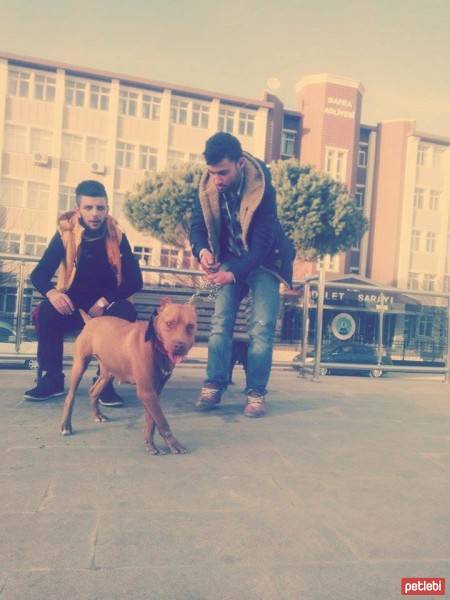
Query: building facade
{"points": [[60, 124]]}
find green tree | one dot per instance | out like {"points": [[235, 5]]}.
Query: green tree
{"points": [[162, 203], [316, 211]]}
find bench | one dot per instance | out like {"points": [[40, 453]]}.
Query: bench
{"points": [[148, 300]]}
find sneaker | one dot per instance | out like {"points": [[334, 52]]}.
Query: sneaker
{"points": [[109, 396], [48, 386], [256, 405], [209, 398]]}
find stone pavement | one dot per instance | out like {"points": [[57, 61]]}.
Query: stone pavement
{"points": [[339, 493]]}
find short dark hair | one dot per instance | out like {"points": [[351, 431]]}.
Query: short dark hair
{"points": [[92, 188], [222, 145]]}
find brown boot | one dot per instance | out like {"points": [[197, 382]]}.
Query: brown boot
{"points": [[208, 398], [256, 405]]}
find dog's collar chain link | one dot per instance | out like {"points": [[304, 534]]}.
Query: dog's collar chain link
{"points": [[211, 288]]}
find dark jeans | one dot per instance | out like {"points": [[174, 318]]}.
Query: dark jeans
{"points": [[52, 326]]}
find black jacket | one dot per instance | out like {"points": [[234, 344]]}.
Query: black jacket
{"points": [[94, 277], [266, 245]]}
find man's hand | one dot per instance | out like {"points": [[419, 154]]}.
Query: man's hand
{"points": [[60, 302], [221, 277], [207, 262], [98, 308]]}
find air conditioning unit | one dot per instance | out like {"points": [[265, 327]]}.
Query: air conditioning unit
{"points": [[99, 168], [41, 159]]}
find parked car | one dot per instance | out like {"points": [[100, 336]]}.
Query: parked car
{"points": [[7, 339], [7, 332], [349, 353]]}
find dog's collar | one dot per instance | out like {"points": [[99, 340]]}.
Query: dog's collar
{"points": [[150, 335]]}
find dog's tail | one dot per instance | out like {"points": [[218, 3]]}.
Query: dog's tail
{"points": [[84, 315]]}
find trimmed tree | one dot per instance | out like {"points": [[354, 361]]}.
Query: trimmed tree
{"points": [[316, 212], [162, 203]]}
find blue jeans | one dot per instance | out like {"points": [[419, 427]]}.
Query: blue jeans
{"points": [[264, 306]]}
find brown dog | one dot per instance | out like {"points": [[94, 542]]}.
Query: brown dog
{"points": [[142, 353]]}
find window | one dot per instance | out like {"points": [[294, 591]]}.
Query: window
{"points": [[413, 281], [19, 84], [148, 158], [8, 295], [428, 282], [9, 242], [418, 197], [329, 263], [44, 87], [359, 196], [128, 103], [11, 193], [438, 153], [288, 140], [430, 244], [151, 107], [169, 258], [446, 284], [96, 150], [415, 240], [38, 195], [143, 255], [75, 92], [41, 141], [200, 115], [187, 259], [174, 157], [179, 111], [335, 163], [362, 157], [226, 120], [72, 147], [99, 97], [15, 139], [66, 198], [434, 199], [426, 326], [125, 155], [246, 123], [422, 154], [35, 245]]}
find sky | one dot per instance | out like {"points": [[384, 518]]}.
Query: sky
{"points": [[398, 49]]}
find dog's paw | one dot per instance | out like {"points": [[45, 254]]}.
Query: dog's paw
{"points": [[174, 445], [66, 430], [99, 418], [153, 450]]}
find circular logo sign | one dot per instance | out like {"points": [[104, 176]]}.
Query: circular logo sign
{"points": [[343, 326]]}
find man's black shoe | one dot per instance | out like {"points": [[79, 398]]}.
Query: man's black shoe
{"points": [[109, 396], [49, 386]]}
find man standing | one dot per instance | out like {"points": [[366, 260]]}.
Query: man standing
{"points": [[236, 236], [96, 272]]}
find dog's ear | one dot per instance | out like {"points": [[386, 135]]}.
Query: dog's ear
{"points": [[164, 301]]}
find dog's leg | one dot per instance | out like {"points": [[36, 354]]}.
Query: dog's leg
{"points": [[79, 367], [94, 392], [150, 400], [149, 432]]}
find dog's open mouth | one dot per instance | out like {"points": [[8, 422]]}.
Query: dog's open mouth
{"points": [[176, 358]]}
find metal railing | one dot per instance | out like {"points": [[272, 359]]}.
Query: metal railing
{"points": [[187, 277], [318, 364], [19, 279]]}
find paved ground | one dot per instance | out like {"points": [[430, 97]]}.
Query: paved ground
{"points": [[339, 493]]}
